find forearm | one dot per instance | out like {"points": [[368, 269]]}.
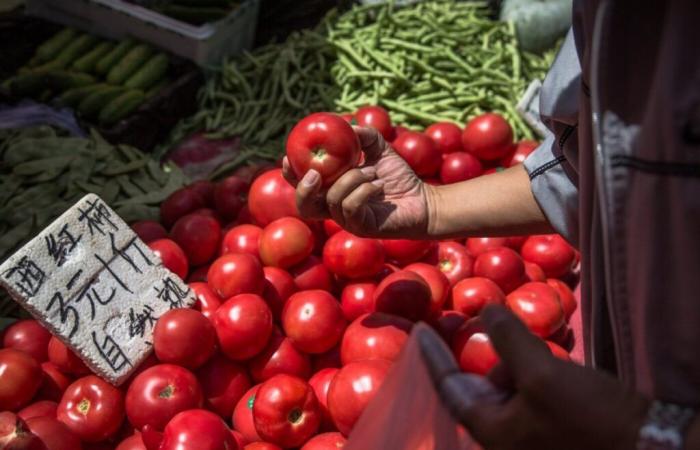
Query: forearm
{"points": [[501, 204]]}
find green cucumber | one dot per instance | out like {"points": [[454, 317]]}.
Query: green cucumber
{"points": [[62, 79], [108, 61], [129, 64], [87, 62], [53, 46], [73, 97], [121, 107], [28, 84], [91, 105], [70, 53], [149, 74]]}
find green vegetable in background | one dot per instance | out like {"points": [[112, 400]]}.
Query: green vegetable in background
{"points": [[148, 74], [108, 61], [120, 107], [129, 64], [539, 23]]}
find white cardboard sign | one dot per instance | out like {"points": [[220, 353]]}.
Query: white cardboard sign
{"points": [[95, 285]]}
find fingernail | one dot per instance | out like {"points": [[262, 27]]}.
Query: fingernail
{"points": [[311, 178], [378, 183], [369, 171]]}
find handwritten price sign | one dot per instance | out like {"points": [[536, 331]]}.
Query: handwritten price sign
{"points": [[91, 281]]}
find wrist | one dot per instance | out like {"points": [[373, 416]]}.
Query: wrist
{"points": [[432, 198]]}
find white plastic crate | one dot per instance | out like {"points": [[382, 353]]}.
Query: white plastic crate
{"points": [[205, 44]]}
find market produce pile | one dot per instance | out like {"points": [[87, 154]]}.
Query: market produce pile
{"points": [[429, 62], [297, 322]]}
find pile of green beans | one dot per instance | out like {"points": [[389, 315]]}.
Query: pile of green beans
{"points": [[431, 62]]}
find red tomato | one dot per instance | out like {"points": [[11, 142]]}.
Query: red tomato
{"points": [[323, 142], [280, 356], [374, 336], [331, 227], [533, 272], [522, 151], [320, 382], [30, 337], [230, 196], [405, 294], [262, 446], [184, 337], [352, 389], [54, 382], [437, 282], [386, 270], [240, 440], [558, 351], [199, 274], [312, 274], [38, 409], [244, 325], [348, 117], [473, 349], [64, 359], [313, 320], [54, 434], [453, 260], [149, 230], [376, 117], [158, 393], [205, 189], [271, 197], [448, 323], [198, 236], [471, 295], [566, 296], [479, 245], [207, 300], [551, 252], [133, 442], [406, 251], [285, 242], [279, 286], [92, 409], [515, 242], [460, 166], [181, 202], [286, 411], [234, 274], [325, 441], [357, 299], [243, 415], [172, 256], [446, 135], [197, 429], [420, 153], [503, 266], [223, 383], [242, 239], [15, 434], [399, 130], [20, 378], [330, 359], [537, 305], [488, 137], [350, 256]]}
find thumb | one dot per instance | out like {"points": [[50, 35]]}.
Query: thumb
{"points": [[520, 350], [372, 143]]}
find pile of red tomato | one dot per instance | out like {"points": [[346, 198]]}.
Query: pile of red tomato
{"points": [[296, 323]]}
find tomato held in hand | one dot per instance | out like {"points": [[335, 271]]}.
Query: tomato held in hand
{"points": [[437, 282], [551, 252], [279, 286], [243, 415], [197, 429], [286, 411], [230, 196], [325, 143], [471, 295], [374, 336], [312, 274], [181, 202], [20, 378], [447, 137], [420, 152], [271, 197], [198, 236], [30, 337], [352, 388], [406, 251], [357, 299], [235, 274], [280, 356], [404, 294], [184, 337], [158, 393], [285, 242], [320, 382], [375, 117], [453, 260], [242, 239], [325, 441], [460, 166], [172, 256], [92, 409], [223, 384], [54, 434], [313, 320], [488, 137], [566, 296], [537, 305], [207, 300], [522, 151], [473, 350], [350, 256], [243, 325], [503, 266]]}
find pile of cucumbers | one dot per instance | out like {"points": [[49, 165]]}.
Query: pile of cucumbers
{"points": [[104, 81]]}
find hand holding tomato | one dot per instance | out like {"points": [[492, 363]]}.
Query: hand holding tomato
{"points": [[384, 197]]}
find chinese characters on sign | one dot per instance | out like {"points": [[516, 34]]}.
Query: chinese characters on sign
{"points": [[91, 281]]}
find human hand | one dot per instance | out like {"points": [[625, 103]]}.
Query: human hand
{"points": [[553, 404], [382, 198]]}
